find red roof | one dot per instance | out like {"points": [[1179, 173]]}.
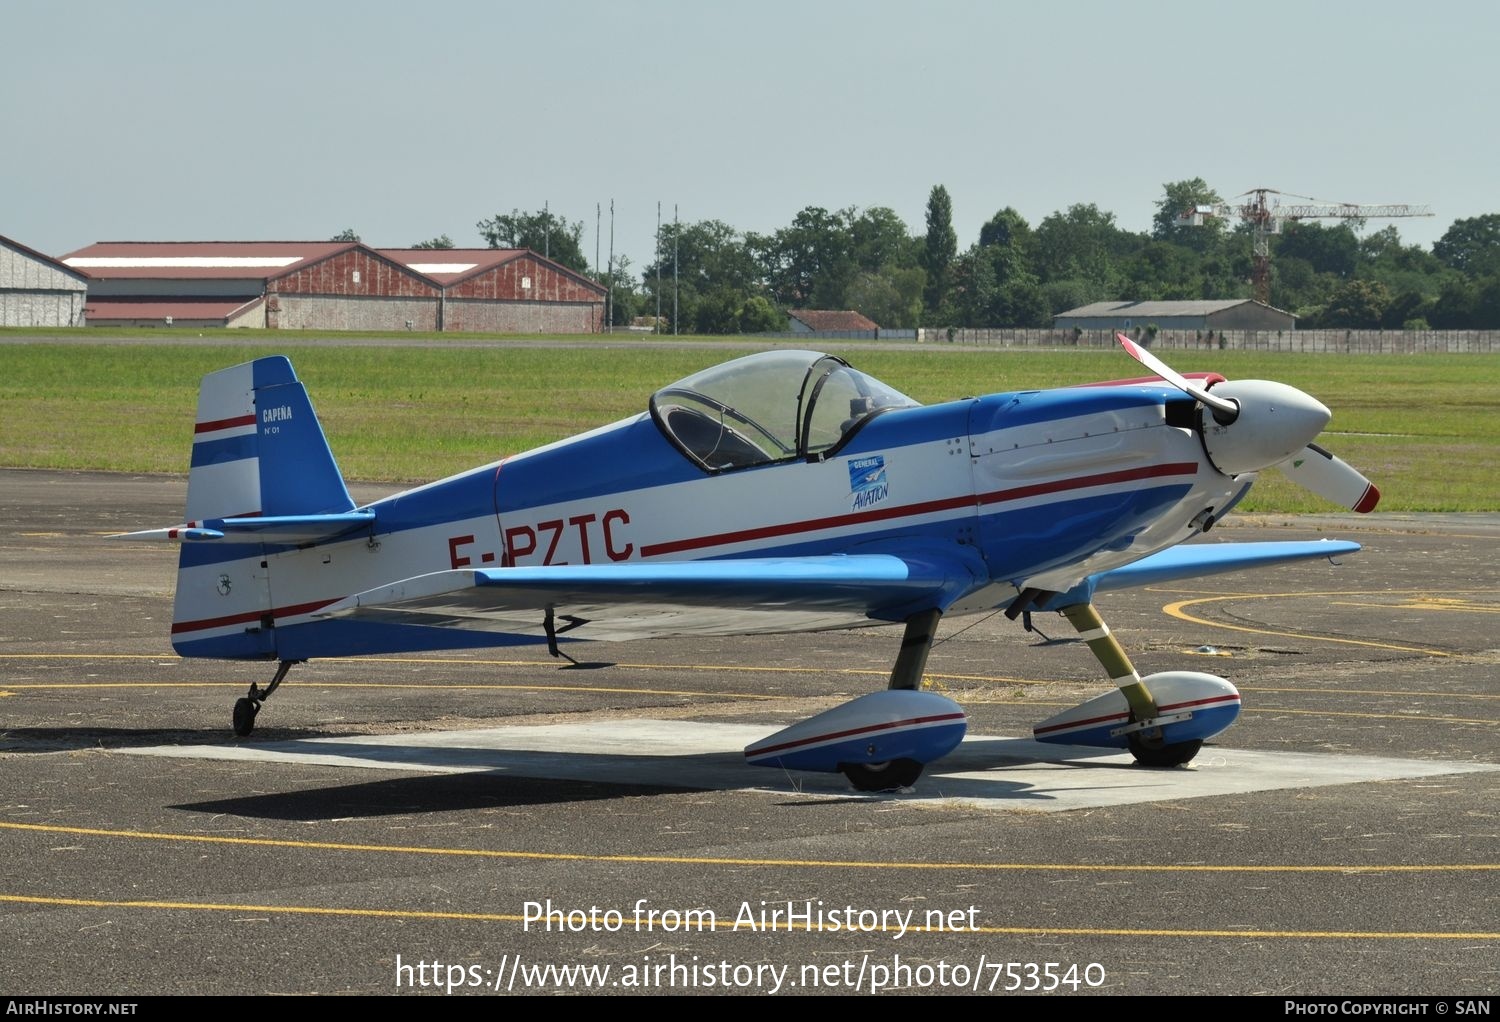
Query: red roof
{"points": [[446, 265], [107, 310], [825, 319], [207, 260]]}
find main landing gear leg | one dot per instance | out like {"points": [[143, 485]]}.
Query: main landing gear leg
{"points": [[1145, 740], [246, 707], [911, 662], [916, 643]]}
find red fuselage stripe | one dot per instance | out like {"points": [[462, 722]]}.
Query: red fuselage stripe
{"points": [[249, 616], [1084, 482], [853, 732], [923, 508], [792, 528], [1124, 715]]}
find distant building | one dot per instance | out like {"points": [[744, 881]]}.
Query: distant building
{"points": [[1232, 314], [37, 290], [337, 285], [329, 285], [506, 290], [829, 323]]}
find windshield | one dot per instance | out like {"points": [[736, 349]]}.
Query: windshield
{"points": [[769, 407]]}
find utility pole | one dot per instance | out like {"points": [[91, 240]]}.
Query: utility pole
{"points": [[656, 323], [676, 233], [597, 217], [609, 306]]}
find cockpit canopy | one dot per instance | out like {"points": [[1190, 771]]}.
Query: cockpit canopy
{"points": [[770, 406]]}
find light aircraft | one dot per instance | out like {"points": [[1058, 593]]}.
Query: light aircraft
{"points": [[780, 492]]}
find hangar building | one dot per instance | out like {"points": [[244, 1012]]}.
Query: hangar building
{"points": [[332, 285], [506, 290], [1233, 314], [37, 290]]}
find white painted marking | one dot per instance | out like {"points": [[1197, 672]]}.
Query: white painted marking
{"points": [[992, 773], [181, 262], [441, 267]]}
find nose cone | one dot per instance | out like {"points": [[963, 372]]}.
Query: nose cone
{"points": [[1275, 421]]}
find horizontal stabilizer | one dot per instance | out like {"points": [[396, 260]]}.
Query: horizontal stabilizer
{"points": [[640, 599], [280, 530], [1198, 559]]}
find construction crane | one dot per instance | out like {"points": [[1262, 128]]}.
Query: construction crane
{"points": [[1266, 219]]}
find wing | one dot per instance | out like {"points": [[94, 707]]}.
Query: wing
{"points": [[290, 530], [1197, 559], [737, 596]]}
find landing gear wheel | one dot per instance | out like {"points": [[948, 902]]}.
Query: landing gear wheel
{"points": [[1152, 753], [245, 710], [887, 776]]}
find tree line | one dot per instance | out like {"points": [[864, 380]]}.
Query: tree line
{"points": [[720, 280]]}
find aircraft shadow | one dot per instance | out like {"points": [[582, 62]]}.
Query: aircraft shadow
{"points": [[58, 739], [432, 793]]}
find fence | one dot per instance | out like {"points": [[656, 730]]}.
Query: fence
{"points": [[1343, 342]]}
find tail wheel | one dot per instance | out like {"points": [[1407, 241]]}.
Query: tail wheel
{"points": [[245, 710], [887, 776], [1152, 752]]}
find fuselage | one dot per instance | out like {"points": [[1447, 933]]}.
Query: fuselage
{"points": [[1046, 487]]}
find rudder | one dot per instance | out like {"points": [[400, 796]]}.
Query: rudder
{"points": [[258, 453], [258, 448]]}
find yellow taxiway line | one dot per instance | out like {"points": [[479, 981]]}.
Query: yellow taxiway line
{"points": [[694, 860]]}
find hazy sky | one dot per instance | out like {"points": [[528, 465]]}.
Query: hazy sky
{"points": [[157, 120]]}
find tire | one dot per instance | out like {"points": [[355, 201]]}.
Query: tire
{"points": [[244, 716], [887, 776], [1153, 753]]}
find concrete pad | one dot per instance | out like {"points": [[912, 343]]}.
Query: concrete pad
{"points": [[994, 773]]}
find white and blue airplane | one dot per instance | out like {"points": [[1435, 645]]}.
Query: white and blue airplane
{"points": [[780, 492]]}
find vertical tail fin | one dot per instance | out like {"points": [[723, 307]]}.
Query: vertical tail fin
{"points": [[258, 452], [258, 448]]}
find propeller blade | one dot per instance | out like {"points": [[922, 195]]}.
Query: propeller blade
{"points": [[1331, 478], [1225, 411]]}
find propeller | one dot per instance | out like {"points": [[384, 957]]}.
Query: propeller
{"points": [[1331, 478], [1225, 411], [1258, 424]]}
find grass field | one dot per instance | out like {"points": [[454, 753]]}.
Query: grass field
{"points": [[1424, 428]]}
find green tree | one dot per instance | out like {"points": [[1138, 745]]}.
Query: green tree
{"points": [[939, 249], [625, 301], [544, 232], [759, 316], [1471, 246], [809, 264], [1008, 229], [1332, 250], [442, 241], [696, 259], [1179, 197], [1082, 244], [717, 313], [879, 240], [347, 234], [1358, 304], [890, 297], [1406, 307], [1456, 307]]}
